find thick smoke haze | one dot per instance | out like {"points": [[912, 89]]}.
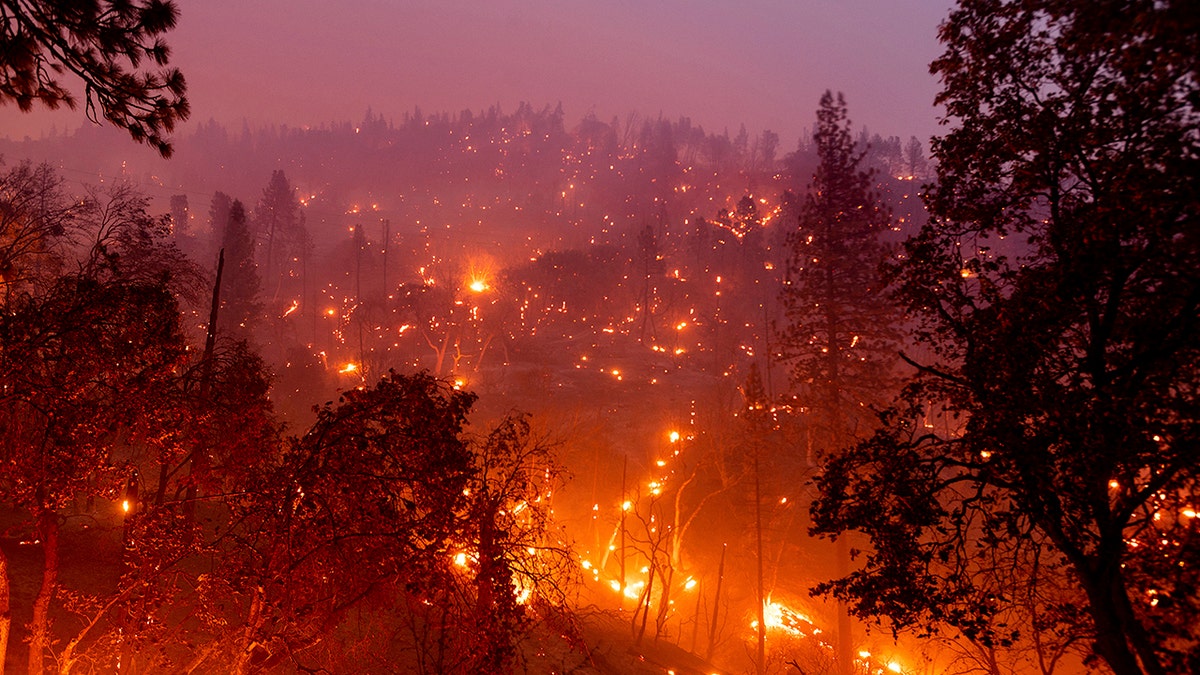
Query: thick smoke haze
{"points": [[763, 63]]}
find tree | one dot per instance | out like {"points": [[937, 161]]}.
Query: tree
{"points": [[241, 285], [102, 43], [1057, 293], [218, 219], [840, 332], [914, 159], [840, 329], [365, 503], [279, 224], [37, 226], [79, 364], [521, 567]]}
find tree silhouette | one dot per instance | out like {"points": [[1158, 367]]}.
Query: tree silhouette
{"points": [[280, 227], [1058, 295], [103, 43], [240, 287], [840, 331], [840, 328]]}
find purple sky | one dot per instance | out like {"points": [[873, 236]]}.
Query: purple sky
{"points": [[720, 62]]}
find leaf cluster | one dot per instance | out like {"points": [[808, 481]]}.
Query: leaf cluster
{"points": [[1052, 426], [105, 44]]}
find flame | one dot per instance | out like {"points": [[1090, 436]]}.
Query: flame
{"points": [[778, 616]]}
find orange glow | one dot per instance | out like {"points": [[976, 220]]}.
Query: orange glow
{"points": [[778, 616], [480, 272]]}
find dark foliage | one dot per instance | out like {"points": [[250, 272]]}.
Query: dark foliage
{"points": [[1050, 440], [104, 44]]}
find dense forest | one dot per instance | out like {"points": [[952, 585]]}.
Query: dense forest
{"points": [[499, 391], [362, 272]]}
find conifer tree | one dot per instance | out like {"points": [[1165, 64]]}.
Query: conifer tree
{"points": [[241, 283], [839, 334], [104, 43]]}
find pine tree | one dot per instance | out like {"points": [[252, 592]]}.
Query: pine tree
{"points": [[279, 227], [840, 335], [103, 43], [240, 285]]}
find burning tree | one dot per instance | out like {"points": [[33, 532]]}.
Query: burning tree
{"points": [[1057, 291]]}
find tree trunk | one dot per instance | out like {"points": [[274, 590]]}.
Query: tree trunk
{"points": [[664, 603], [712, 626], [845, 647], [1118, 630], [198, 460], [248, 644], [39, 627], [760, 662], [5, 612]]}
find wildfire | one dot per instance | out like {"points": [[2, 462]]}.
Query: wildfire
{"points": [[780, 617]]}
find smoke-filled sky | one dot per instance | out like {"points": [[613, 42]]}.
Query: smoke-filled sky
{"points": [[720, 62]]}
